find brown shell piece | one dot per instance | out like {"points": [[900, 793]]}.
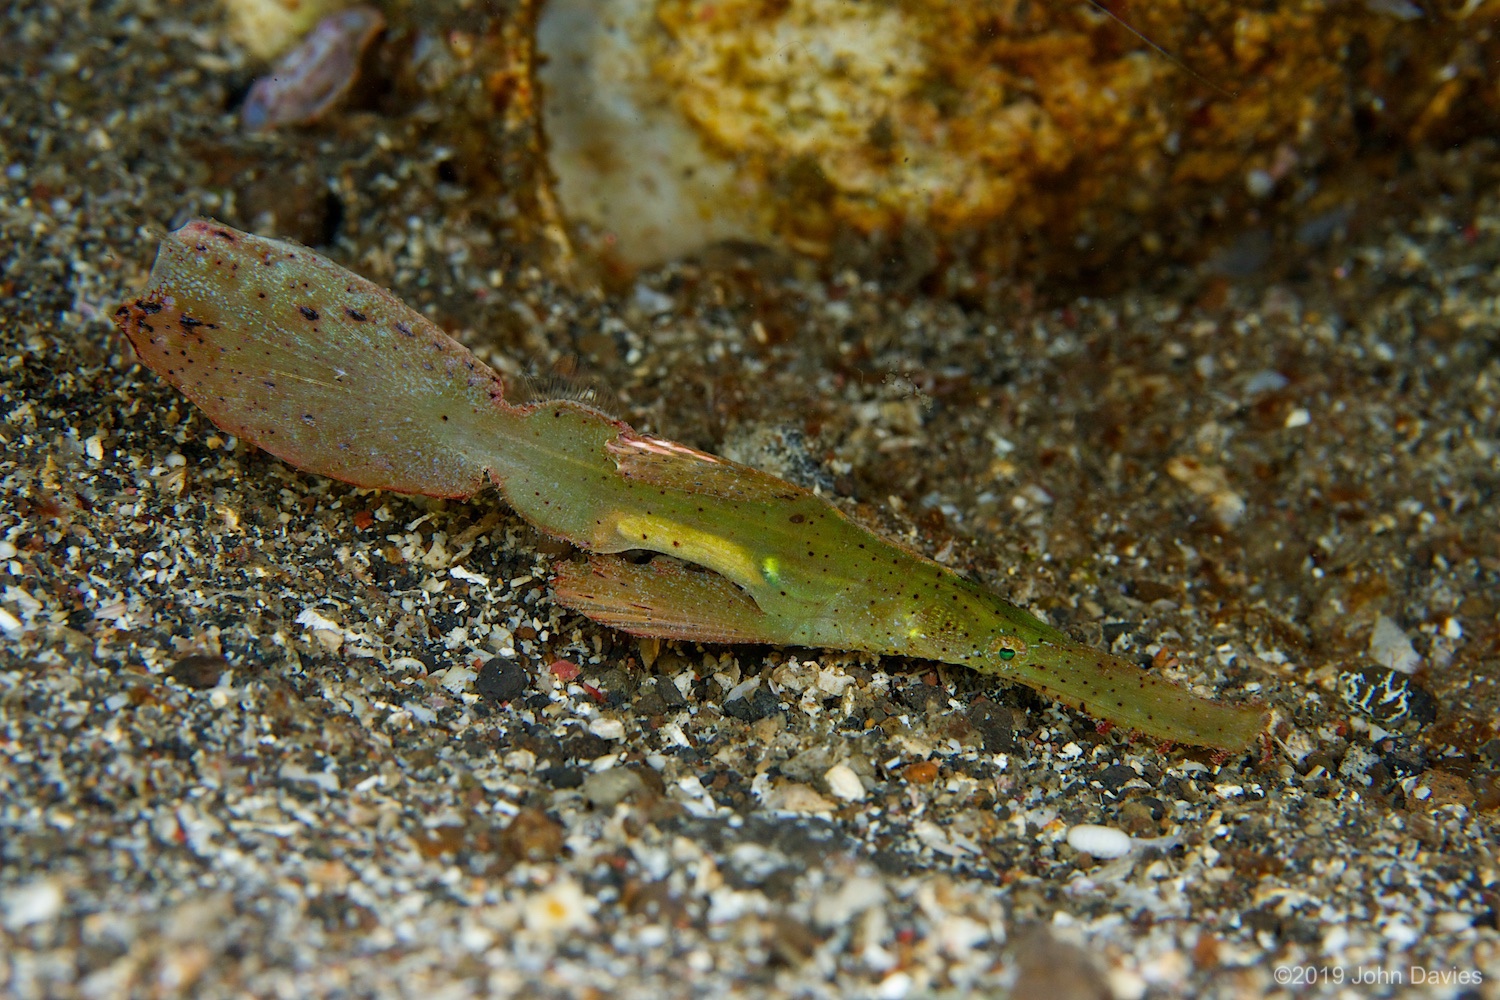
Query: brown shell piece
{"points": [[314, 76]]}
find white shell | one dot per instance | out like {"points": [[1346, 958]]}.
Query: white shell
{"points": [[1100, 841]]}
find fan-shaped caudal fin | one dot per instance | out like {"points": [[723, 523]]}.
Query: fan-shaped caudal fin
{"points": [[663, 598], [314, 364]]}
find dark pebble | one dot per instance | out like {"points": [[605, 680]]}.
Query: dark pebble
{"points": [[754, 708], [586, 746], [1115, 776], [531, 836], [200, 670], [996, 725], [561, 777], [502, 680], [1490, 751]]}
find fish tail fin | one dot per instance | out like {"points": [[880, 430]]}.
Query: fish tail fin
{"points": [[1103, 685]]}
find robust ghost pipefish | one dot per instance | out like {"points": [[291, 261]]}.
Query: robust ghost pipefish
{"points": [[338, 377]]}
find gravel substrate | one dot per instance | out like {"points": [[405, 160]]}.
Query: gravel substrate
{"points": [[262, 734]]}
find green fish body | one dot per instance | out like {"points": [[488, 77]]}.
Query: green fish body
{"points": [[338, 377]]}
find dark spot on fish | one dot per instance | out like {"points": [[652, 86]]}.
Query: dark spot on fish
{"points": [[404, 329], [188, 322], [309, 312], [225, 235], [354, 314], [149, 308]]}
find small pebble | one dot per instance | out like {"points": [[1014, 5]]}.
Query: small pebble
{"points": [[923, 772], [198, 670], [1106, 842], [561, 908], [502, 680], [795, 797], [844, 783], [1100, 841], [32, 903], [1391, 647], [1357, 760], [1259, 183], [311, 78], [607, 729], [10, 624], [606, 789]]}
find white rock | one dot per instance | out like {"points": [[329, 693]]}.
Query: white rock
{"points": [[1357, 760], [459, 573], [10, 624], [1401, 933], [326, 780], [1100, 841], [559, 909], [794, 797], [522, 761], [833, 682], [606, 789], [895, 986], [844, 783], [1452, 922], [957, 936], [1126, 984], [1391, 647], [311, 619], [839, 907], [455, 679], [33, 903], [607, 729], [942, 841]]}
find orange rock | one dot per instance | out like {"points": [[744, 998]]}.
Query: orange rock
{"points": [[921, 773], [1051, 126]]}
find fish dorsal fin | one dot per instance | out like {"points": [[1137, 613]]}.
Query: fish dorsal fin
{"points": [[585, 389], [674, 466]]}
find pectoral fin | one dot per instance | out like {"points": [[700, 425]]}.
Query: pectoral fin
{"points": [[663, 599]]}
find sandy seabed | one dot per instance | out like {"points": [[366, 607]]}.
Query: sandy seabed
{"points": [[262, 734]]}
